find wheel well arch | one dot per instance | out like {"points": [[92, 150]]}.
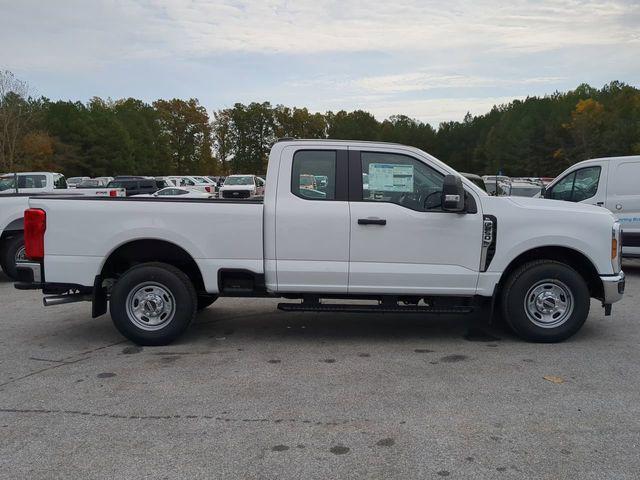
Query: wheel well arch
{"points": [[146, 250], [12, 228], [573, 258]]}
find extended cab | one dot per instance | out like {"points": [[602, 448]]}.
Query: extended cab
{"points": [[15, 190], [391, 225]]}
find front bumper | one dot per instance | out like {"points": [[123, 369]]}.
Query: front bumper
{"points": [[613, 288]]}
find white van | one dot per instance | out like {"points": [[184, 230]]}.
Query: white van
{"points": [[613, 183]]}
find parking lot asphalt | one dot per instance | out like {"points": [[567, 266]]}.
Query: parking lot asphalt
{"points": [[251, 392]]}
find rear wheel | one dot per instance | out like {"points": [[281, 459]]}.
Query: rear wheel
{"points": [[12, 253], [545, 301], [153, 303]]}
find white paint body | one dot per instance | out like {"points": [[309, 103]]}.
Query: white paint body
{"points": [[318, 246], [618, 191]]}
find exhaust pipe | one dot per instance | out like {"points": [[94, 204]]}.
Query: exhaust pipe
{"points": [[62, 299]]}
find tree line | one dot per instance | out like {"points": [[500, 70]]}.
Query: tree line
{"points": [[538, 136]]}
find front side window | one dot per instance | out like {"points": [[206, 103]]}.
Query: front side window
{"points": [[309, 164], [576, 186], [400, 179]]}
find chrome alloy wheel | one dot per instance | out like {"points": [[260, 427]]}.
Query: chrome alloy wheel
{"points": [[549, 303], [150, 306]]}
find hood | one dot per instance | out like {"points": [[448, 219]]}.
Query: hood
{"points": [[556, 205]]}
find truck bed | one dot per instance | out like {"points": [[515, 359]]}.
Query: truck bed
{"points": [[82, 233]]}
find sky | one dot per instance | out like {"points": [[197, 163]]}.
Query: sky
{"points": [[430, 60]]}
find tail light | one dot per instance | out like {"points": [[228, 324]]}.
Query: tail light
{"points": [[113, 193], [35, 224], [207, 189]]}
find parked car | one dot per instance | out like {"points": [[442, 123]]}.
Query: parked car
{"points": [[92, 183], [14, 199], [182, 192], [422, 239], [134, 185], [243, 186], [199, 183], [476, 179], [524, 189], [613, 183], [496, 185], [73, 182]]}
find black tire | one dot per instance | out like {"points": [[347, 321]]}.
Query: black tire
{"points": [[205, 300], [565, 286], [167, 282], [10, 248]]}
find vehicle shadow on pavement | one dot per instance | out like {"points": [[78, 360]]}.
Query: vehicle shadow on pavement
{"points": [[219, 322]]}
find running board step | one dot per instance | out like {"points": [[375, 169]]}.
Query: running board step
{"points": [[337, 307]]}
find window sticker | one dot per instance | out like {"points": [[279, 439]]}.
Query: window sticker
{"points": [[390, 177]]}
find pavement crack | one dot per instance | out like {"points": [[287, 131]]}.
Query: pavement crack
{"points": [[180, 417], [42, 370]]}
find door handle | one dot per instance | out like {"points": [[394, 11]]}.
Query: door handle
{"points": [[599, 204], [372, 221]]}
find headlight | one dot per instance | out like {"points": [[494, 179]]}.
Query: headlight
{"points": [[616, 247]]}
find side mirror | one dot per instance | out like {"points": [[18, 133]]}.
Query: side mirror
{"points": [[452, 194]]}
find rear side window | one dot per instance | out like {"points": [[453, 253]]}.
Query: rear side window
{"points": [[576, 186], [309, 164], [32, 181]]}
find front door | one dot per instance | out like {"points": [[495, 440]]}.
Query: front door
{"points": [[401, 240]]}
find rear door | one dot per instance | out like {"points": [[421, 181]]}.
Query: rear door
{"points": [[401, 240], [312, 226], [623, 200]]}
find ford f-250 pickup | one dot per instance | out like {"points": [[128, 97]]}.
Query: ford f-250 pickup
{"points": [[392, 225]]}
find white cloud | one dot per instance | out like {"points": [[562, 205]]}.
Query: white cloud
{"points": [[98, 32], [420, 81], [432, 111]]}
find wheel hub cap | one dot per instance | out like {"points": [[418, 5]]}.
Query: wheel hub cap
{"points": [[549, 303], [150, 306]]}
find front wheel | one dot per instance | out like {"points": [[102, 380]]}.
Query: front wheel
{"points": [[153, 303], [545, 301]]}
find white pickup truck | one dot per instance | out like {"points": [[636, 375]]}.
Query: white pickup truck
{"points": [[414, 237], [14, 199]]}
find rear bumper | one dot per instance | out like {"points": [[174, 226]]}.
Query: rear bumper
{"points": [[613, 288], [29, 276]]}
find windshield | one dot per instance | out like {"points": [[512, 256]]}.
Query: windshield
{"points": [[239, 181]]}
